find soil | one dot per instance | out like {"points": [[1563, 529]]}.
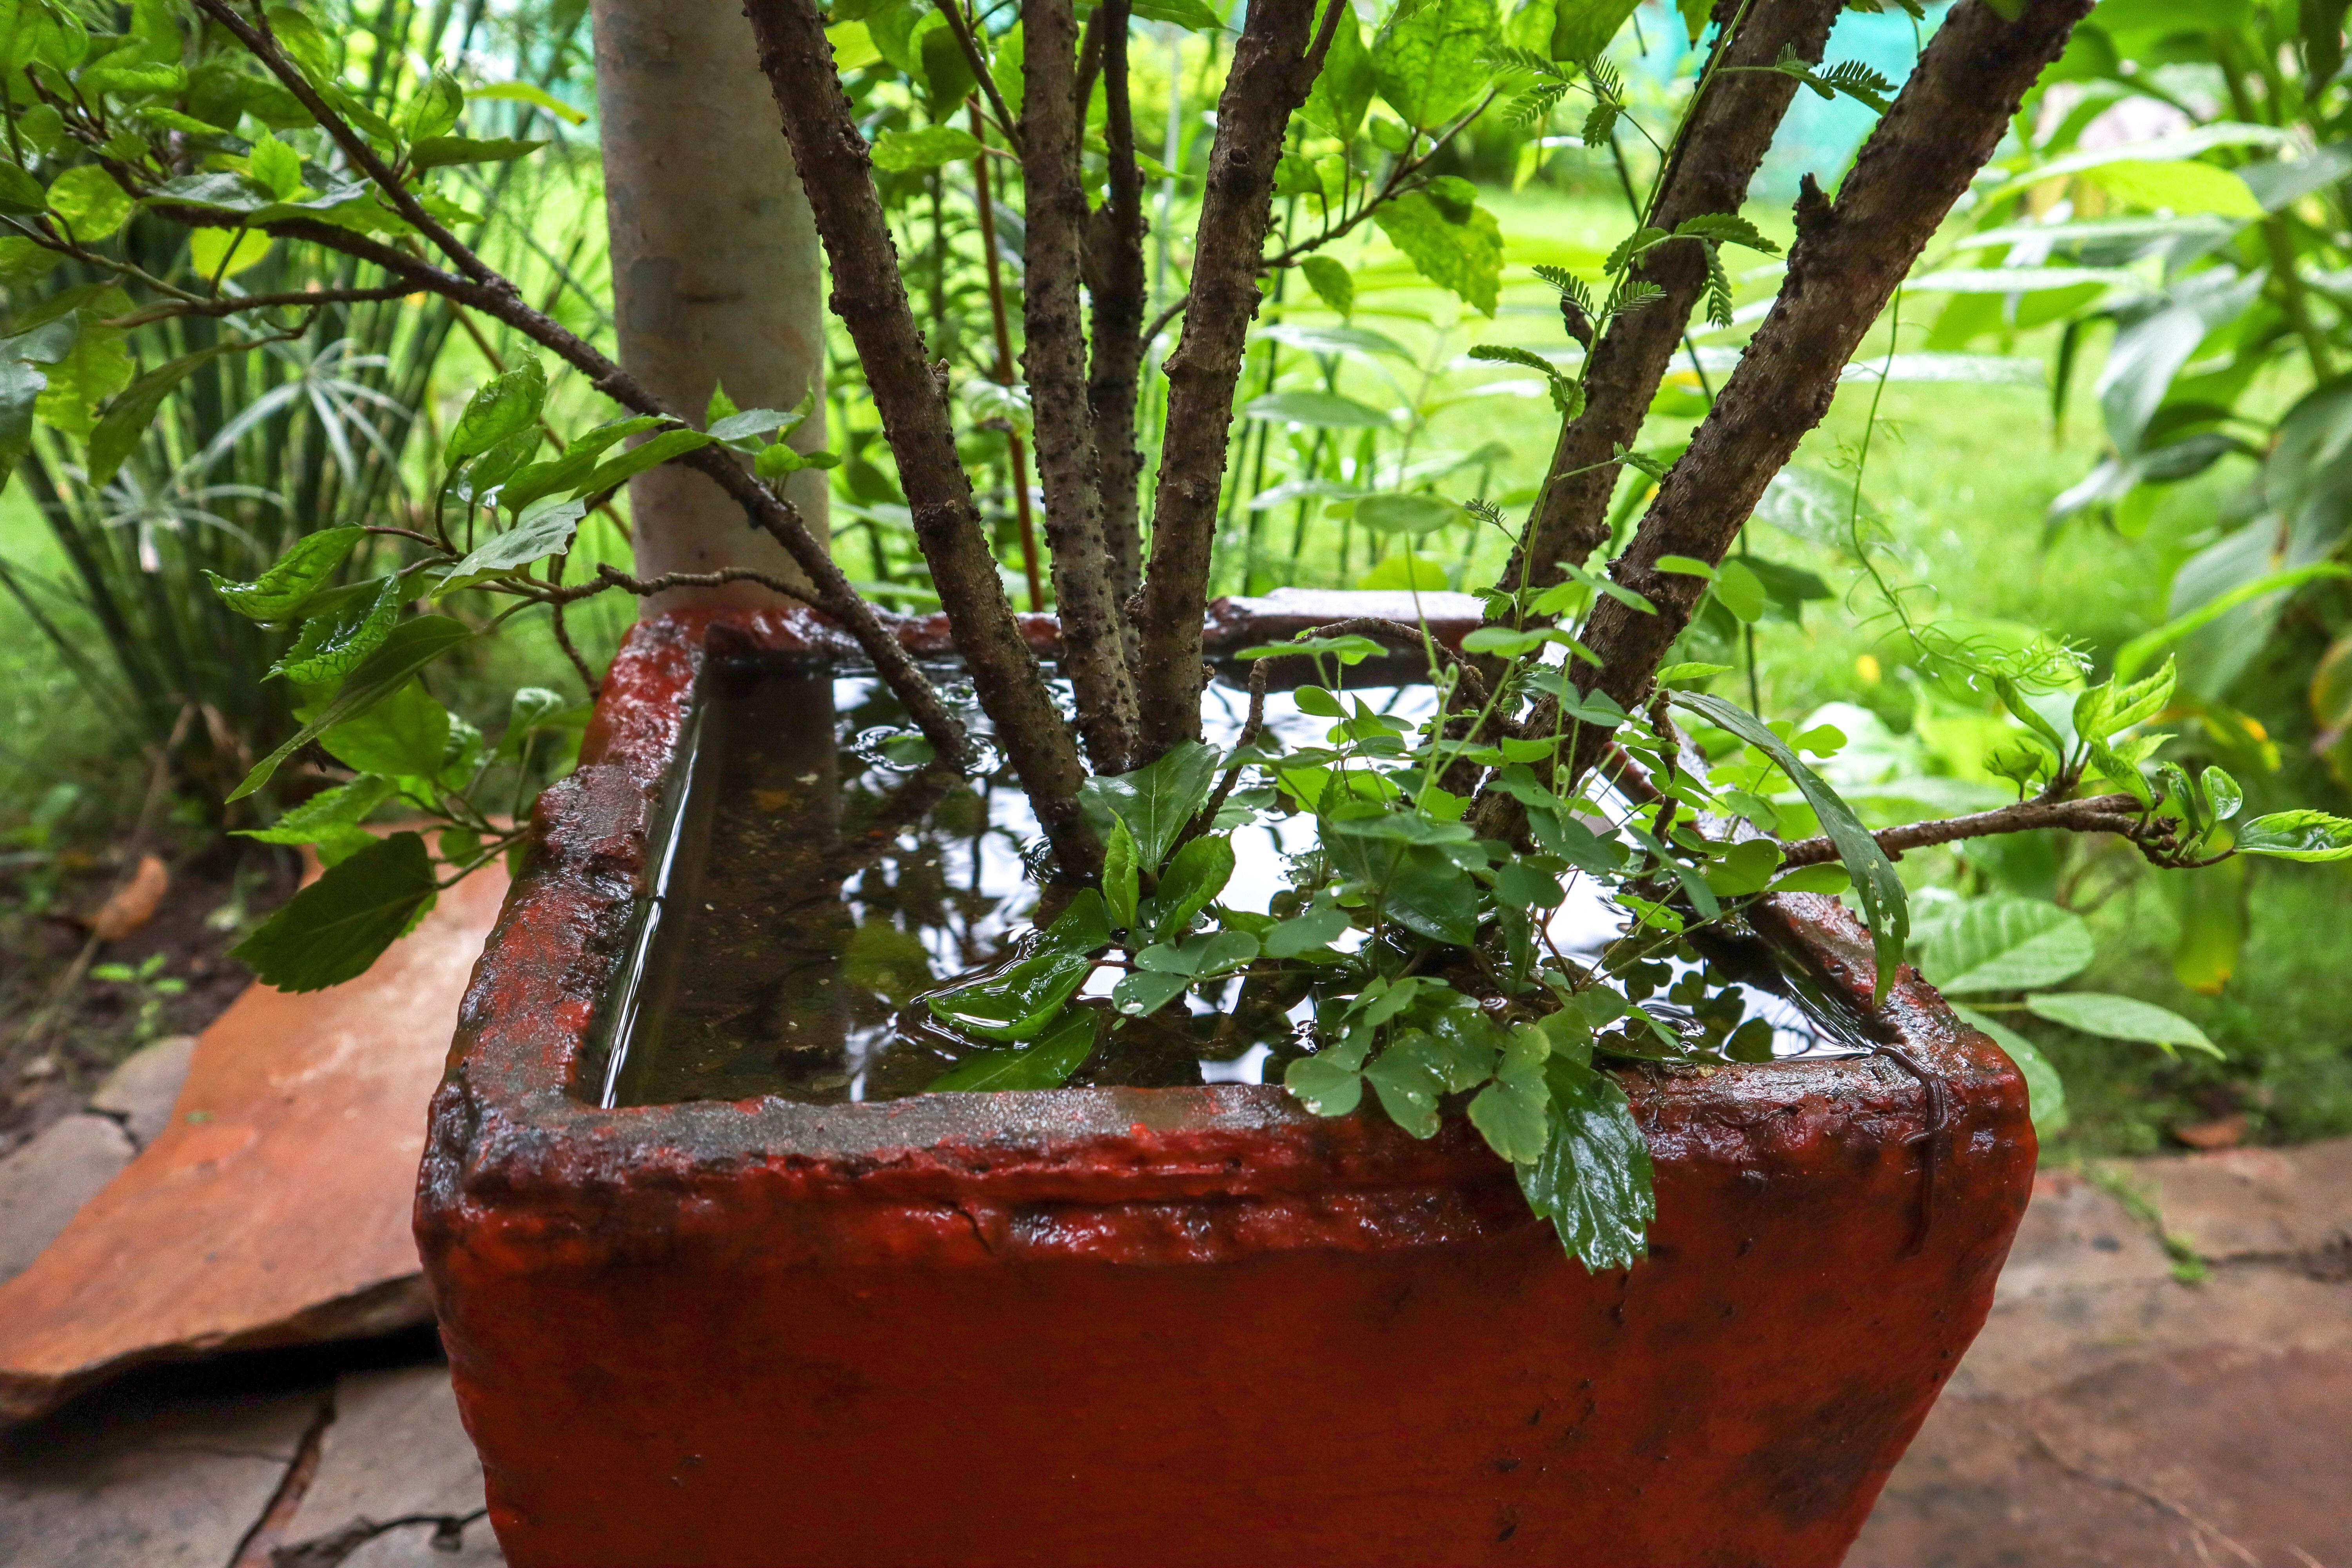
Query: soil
{"points": [[218, 891]]}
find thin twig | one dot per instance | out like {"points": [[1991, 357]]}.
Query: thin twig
{"points": [[962, 27], [2100, 813]]}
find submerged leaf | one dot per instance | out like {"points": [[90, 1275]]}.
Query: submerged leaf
{"points": [[1045, 1065]]}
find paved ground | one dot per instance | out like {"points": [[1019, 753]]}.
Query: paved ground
{"points": [[2113, 1412]]}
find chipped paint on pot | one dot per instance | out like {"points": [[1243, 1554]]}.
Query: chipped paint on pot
{"points": [[1181, 1326]]}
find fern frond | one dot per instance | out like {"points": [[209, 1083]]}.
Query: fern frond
{"points": [[1726, 228], [1534, 103], [1505, 354], [1571, 287]]}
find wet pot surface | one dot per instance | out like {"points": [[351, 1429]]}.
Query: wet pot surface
{"points": [[695, 1321]]}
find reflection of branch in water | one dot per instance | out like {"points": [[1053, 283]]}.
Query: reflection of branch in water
{"points": [[904, 805]]}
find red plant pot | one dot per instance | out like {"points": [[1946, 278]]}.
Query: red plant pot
{"points": [[1169, 1326]]}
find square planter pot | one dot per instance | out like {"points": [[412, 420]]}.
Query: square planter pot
{"points": [[1191, 1325]]}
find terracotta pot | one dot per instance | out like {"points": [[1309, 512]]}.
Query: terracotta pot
{"points": [[1168, 1326]]}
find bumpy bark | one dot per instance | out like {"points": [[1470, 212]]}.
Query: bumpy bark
{"points": [[1849, 257], [835, 169], [1713, 163], [1115, 277], [1093, 644], [1275, 62]]}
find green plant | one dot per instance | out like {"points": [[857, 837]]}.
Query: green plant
{"points": [[251, 449], [1417, 930], [146, 983]]}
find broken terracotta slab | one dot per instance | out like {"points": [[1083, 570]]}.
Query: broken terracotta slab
{"points": [[275, 1208]]}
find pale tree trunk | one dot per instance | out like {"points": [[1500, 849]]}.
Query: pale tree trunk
{"points": [[716, 275]]}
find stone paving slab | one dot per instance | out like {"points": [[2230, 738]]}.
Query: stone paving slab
{"points": [[275, 1207], [45, 1184], [396, 1450], [141, 1091], [179, 1489], [2217, 1455], [2114, 1416]]}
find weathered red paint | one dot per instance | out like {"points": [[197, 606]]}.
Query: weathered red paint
{"points": [[1167, 1326]]}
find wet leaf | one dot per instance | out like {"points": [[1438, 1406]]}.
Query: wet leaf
{"points": [[1045, 1065], [1592, 1180], [1197, 874], [1885, 904], [1324, 1086], [278, 592], [2046, 1094], [1017, 1000], [334, 929], [1155, 801], [2303, 835]]}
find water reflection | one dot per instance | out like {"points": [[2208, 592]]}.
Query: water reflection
{"points": [[812, 890]]}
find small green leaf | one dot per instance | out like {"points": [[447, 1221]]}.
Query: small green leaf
{"points": [[1120, 876], [1331, 281], [614, 472], [89, 202], [1886, 906], [1407, 513], [2045, 1093], [334, 929], [545, 528], [1690, 674], [328, 813], [1741, 591], [927, 147], [2119, 1018], [505, 405], [1511, 1112], [1592, 1179], [1304, 933], [1324, 1086], [405, 736], [1045, 1065], [437, 151], [1155, 801], [2302, 834], [412, 646], [1197, 874], [2223, 794], [126, 420], [296, 575], [1017, 1000], [331, 647], [1316, 411], [21, 195], [1408, 1080]]}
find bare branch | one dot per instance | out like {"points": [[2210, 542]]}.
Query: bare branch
{"points": [[1848, 260], [1275, 62], [1713, 162], [835, 166], [1093, 644], [2117, 814], [1115, 277], [231, 305], [264, 47]]}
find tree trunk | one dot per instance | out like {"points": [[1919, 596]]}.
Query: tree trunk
{"points": [[717, 276]]}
